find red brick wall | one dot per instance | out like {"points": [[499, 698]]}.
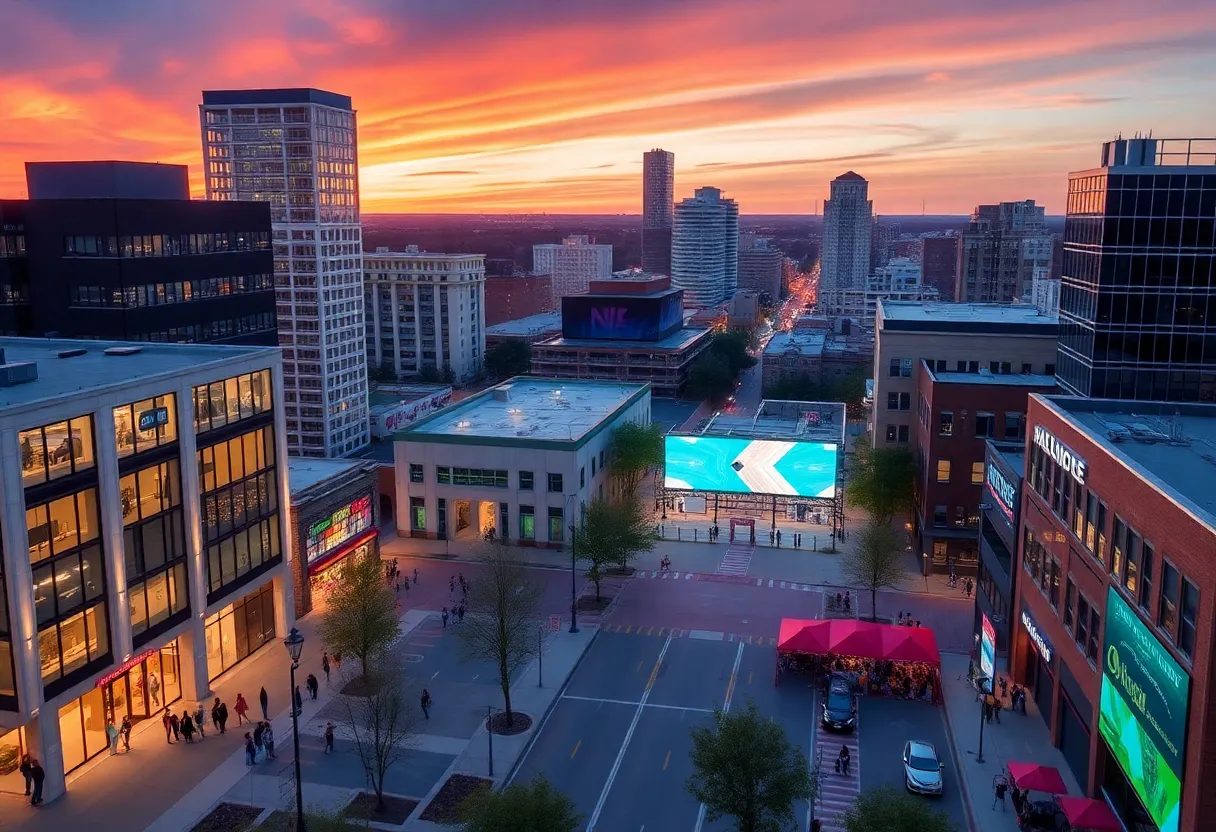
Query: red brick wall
{"points": [[517, 296]]}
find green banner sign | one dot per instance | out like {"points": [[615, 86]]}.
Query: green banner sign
{"points": [[1145, 694]]}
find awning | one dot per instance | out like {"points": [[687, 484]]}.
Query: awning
{"points": [[1088, 815], [1037, 778], [861, 639]]}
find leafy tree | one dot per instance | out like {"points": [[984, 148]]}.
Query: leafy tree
{"points": [[384, 373], [360, 617], [746, 768], [886, 809], [710, 378], [521, 807], [448, 376], [612, 533], [876, 562], [430, 375], [510, 357], [882, 481], [503, 610], [632, 449], [731, 346], [382, 720]]}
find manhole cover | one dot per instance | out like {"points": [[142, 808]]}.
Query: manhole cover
{"points": [[412, 657]]}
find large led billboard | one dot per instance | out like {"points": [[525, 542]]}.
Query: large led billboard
{"points": [[750, 466], [622, 317], [1145, 694]]}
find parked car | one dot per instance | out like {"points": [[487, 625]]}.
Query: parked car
{"points": [[922, 768], [839, 705]]}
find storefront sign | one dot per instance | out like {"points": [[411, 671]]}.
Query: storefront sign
{"points": [[1145, 694], [154, 418], [1003, 490], [1063, 455], [347, 522], [125, 666], [987, 651], [1040, 640]]}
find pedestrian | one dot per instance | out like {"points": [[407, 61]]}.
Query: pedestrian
{"points": [[460, 613], [415, 576], [200, 716], [124, 731], [268, 741], [154, 689], [999, 794], [445, 618], [325, 666], [987, 711], [967, 588], [258, 732], [265, 701], [176, 724], [299, 703], [37, 775], [1016, 796], [771, 536], [242, 708], [848, 601], [219, 714], [329, 737], [996, 709], [778, 538], [816, 825], [426, 703], [251, 750], [900, 620], [1004, 687], [167, 720], [25, 767], [312, 685], [187, 726]]}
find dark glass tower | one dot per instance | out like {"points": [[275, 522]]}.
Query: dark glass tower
{"points": [[1138, 294]]}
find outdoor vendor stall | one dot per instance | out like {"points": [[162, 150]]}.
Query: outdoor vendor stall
{"points": [[888, 659]]}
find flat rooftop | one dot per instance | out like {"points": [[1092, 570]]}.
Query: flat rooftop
{"points": [[530, 409], [303, 474], [95, 371], [787, 420], [805, 342], [994, 379], [531, 325], [990, 318], [678, 340], [1013, 453], [1172, 445]]}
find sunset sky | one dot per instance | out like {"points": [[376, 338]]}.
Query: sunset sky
{"points": [[536, 105]]}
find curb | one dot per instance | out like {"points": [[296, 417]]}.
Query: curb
{"points": [[958, 764]]}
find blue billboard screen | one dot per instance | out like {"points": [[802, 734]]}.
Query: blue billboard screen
{"points": [[750, 466], [622, 317]]}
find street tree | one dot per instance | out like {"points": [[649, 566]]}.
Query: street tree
{"points": [[381, 718], [875, 562], [886, 809], [502, 615], [881, 481], [633, 449], [511, 357], [746, 768], [360, 617], [521, 807], [613, 533]]}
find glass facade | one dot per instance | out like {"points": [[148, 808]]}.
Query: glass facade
{"points": [[239, 629], [58, 450], [225, 402], [141, 426], [154, 544]]}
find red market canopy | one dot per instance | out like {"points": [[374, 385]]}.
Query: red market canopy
{"points": [[1037, 778], [862, 639], [1084, 813]]}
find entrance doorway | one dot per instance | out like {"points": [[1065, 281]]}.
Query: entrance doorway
{"points": [[746, 529], [145, 687], [474, 519]]}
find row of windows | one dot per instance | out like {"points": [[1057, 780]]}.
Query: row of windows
{"points": [[490, 478], [161, 294], [902, 367], [12, 245], [56, 450], [231, 400], [227, 462], [984, 425], [165, 245], [217, 330], [964, 516], [233, 557], [157, 599], [141, 426], [238, 504]]}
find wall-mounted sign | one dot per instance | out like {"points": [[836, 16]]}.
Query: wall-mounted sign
{"points": [[987, 651], [154, 418], [1145, 695], [349, 521], [1003, 490], [1040, 640], [1063, 455], [124, 667]]}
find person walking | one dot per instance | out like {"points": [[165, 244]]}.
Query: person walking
{"points": [[259, 732], [329, 737], [460, 613], [426, 703], [415, 576], [219, 714], [111, 737], [37, 776], [1004, 687], [312, 685], [242, 709], [265, 702], [200, 715], [167, 720], [268, 741], [188, 726], [177, 726], [325, 666], [154, 689], [251, 750], [25, 767], [124, 731], [451, 586], [445, 618], [998, 794]]}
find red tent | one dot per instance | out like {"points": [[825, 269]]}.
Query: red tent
{"points": [[1038, 778], [1084, 813], [863, 639]]}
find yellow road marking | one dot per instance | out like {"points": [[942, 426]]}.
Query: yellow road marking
{"points": [[654, 674], [749, 676], [730, 687], [650, 631], [629, 629], [662, 631], [642, 662], [577, 746], [667, 760]]}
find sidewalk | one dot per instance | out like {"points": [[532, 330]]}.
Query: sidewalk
{"points": [[1018, 739]]}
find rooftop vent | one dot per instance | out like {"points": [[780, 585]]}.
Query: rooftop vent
{"points": [[71, 353], [123, 350], [502, 393], [19, 372]]}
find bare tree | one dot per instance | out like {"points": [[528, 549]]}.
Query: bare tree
{"points": [[382, 719], [876, 562], [503, 610], [360, 617]]}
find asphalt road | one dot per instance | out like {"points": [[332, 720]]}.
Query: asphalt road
{"points": [[885, 725], [618, 740]]}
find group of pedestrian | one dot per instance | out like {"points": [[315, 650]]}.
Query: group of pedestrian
{"points": [[456, 614], [1000, 787], [905, 620], [259, 743], [394, 578], [177, 728], [464, 587], [713, 533], [844, 601], [34, 776]]}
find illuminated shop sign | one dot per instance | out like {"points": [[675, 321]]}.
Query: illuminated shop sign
{"points": [[154, 418], [1040, 640], [1002, 489], [347, 522], [987, 651], [125, 666], [1064, 456]]}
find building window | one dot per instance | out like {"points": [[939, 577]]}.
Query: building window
{"points": [[1146, 576], [239, 629], [1026, 368], [441, 519], [891, 433], [582, 477], [593, 466], [143, 425], [945, 423], [1188, 618], [977, 473], [939, 516], [1032, 555], [417, 514], [893, 368], [1092, 647], [1070, 602], [525, 480], [415, 472], [56, 450], [231, 400], [1081, 634], [1132, 570], [555, 483], [1053, 590], [1078, 510], [527, 523], [1049, 369], [443, 474], [943, 470], [482, 477], [903, 433], [1015, 425], [154, 544], [1118, 553], [557, 525], [1167, 604], [985, 424]]}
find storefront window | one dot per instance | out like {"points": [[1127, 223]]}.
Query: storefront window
{"points": [[417, 514], [143, 425], [58, 450], [527, 523], [240, 629], [12, 746], [556, 525], [82, 729]]}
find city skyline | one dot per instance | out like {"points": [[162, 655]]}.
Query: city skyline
{"points": [[950, 106]]}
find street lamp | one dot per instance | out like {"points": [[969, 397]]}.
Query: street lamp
{"points": [[295, 645], [570, 498]]}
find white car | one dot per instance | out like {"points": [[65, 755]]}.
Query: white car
{"points": [[922, 768]]}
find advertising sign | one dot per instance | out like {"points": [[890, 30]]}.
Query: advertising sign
{"points": [[1145, 694], [750, 466], [347, 522], [1040, 640], [987, 651], [153, 418], [1002, 490], [387, 420], [1063, 455], [622, 317]]}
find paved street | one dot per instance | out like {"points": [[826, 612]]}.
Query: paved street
{"points": [[618, 739]]}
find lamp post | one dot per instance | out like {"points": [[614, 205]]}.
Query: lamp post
{"points": [[295, 644], [573, 584]]}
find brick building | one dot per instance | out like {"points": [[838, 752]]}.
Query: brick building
{"points": [[515, 296], [956, 414], [1113, 615], [939, 263]]}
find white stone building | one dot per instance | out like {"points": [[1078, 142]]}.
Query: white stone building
{"points": [[847, 220], [705, 248], [573, 264]]}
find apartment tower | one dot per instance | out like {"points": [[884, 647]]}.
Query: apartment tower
{"points": [[573, 264], [705, 248], [297, 149], [847, 219], [1000, 251], [658, 196]]}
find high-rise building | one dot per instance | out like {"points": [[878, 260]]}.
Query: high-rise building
{"points": [[297, 149], [999, 252], [658, 198], [939, 262], [1138, 293], [426, 313], [705, 248], [572, 264], [882, 238], [847, 218], [118, 250], [760, 266]]}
